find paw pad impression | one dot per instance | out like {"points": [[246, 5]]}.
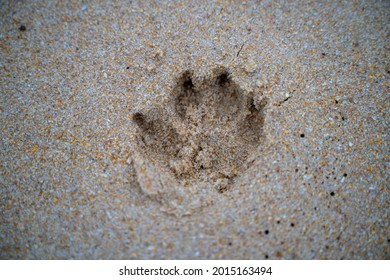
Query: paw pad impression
{"points": [[204, 137]]}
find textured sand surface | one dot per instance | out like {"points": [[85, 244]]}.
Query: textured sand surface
{"points": [[194, 130]]}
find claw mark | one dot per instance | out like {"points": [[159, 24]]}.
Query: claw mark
{"points": [[280, 103], [240, 49]]}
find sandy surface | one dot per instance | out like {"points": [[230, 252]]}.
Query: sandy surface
{"points": [[194, 130]]}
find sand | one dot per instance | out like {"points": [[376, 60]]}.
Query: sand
{"points": [[194, 130]]}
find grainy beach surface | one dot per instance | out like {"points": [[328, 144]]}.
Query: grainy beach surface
{"points": [[194, 129]]}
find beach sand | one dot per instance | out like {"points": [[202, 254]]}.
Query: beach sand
{"points": [[194, 130]]}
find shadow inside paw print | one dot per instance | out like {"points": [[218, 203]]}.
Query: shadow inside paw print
{"points": [[215, 127]]}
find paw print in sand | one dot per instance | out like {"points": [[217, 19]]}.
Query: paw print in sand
{"points": [[204, 137]]}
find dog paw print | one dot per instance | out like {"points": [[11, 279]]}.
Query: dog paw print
{"points": [[206, 132]]}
